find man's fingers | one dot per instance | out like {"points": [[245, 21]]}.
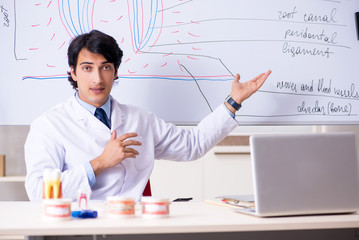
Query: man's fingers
{"points": [[126, 136], [130, 155], [237, 77], [262, 76], [265, 75], [130, 142], [130, 151], [113, 135], [258, 77]]}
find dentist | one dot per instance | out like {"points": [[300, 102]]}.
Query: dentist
{"points": [[115, 157]]}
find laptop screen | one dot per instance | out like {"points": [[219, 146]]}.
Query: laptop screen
{"points": [[305, 173]]}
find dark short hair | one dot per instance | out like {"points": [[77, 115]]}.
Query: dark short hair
{"points": [[96, 42]]}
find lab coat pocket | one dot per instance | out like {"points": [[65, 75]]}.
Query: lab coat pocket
{"points": [[143, 160]]}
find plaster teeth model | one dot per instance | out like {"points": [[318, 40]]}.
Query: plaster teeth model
{"points": [[52, 184]]}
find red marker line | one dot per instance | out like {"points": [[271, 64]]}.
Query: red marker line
{"points": [[168, 54], [62, 45], [192, 58], [35, 25], [164, 64], [193, 35], [179, 65], [58, 2], [93, 9], [48, 5], [49, 22], [50, 66]]}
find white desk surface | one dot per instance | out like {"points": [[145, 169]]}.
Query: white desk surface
{"points": [[24, 218]]}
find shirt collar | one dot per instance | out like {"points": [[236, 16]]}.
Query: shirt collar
{"points": [[106, 107]]}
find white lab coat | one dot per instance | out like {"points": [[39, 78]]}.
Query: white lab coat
{"points": [[68, 135]]}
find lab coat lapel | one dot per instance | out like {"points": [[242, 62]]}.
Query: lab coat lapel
{"points": [[84, 118], [117, 117]]}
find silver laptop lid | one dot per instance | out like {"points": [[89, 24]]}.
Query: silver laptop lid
{"points": [[298, 174]]}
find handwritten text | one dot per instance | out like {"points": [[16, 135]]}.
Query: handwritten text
{"points": [[295, 50], [6, 16], [330, 108]]}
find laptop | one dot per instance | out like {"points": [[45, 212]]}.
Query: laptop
{"points": [[304, 174]]}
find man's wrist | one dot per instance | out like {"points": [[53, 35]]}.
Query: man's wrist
{"points": [[97, 166], [232, 105], [230, 108], [232, 114], [90, 173]]}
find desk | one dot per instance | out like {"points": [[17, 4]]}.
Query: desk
{"points": [[24, 218]]}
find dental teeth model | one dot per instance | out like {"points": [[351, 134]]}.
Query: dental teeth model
{"points": [[52, 184]]}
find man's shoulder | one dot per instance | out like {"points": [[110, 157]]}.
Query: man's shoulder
{"points": [[128, 107], [58, 111]]}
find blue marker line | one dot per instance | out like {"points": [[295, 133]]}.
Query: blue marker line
{"points": [[178, 79], [72, 21], [87, 16], [140, 78], [140, 44], [151, 24], [43, 78], [78, 15], [83, 19], [63, 12], [135, 24], [134, 21]]}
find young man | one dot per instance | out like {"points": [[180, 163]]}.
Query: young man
{"points": [[116, 159]]}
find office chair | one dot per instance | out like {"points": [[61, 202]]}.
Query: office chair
{"points": [[147, 191]]}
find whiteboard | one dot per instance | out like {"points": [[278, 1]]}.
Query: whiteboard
{"points": [[180, 56]]}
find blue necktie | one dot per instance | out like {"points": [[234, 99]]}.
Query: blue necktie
{"points": [[101, 115]]}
